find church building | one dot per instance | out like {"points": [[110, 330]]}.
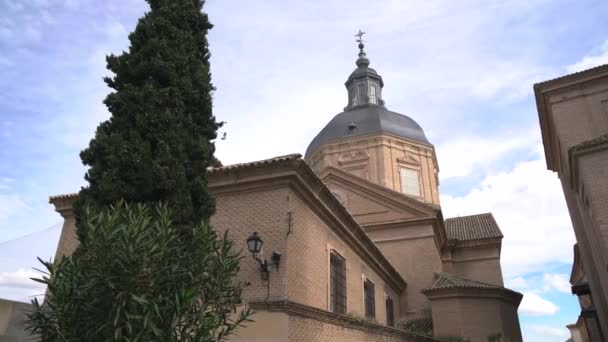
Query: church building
{"points": [[350, 243]]}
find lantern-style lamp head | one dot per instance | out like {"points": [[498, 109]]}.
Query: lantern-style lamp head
{"points": [[254, 243]]}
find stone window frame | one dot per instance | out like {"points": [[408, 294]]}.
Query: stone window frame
{"points": [[331, 251], [390, 318], [418, 172], [366, 298]]}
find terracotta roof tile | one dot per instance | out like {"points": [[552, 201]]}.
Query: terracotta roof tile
{"points": [[420, 326], [473, 227], [63, 196], [278, 159]]}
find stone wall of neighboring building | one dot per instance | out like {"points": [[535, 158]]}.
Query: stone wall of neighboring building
{"points": [[573, 113], [475, 318], [311, 330], [478, 262], [12, 317], [413, 252]]}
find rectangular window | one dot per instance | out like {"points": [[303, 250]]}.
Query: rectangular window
{"points": [[337, 283], [370, 299], [372, 94], [390, 314], [410, 183]]}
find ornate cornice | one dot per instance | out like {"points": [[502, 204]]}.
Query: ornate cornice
{"points": [[586, 147], [64, 204], [543, 90], [500, 293], [296, 309]]}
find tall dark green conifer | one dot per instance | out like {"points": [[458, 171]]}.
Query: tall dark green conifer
{"points": [[158, 142], [134, 277]]}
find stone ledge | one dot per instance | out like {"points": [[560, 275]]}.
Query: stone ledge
{"points": [[306, 311]]}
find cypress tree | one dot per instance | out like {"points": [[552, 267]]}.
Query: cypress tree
{"points": [[158, 142]]}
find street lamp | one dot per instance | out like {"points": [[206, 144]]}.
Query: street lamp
{"points": [[254, 244]]}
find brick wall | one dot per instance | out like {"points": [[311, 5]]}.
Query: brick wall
{"points": [[310, 242], [311, 330], [475, 318]]}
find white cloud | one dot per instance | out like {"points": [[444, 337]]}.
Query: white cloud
{"points": [[517, 283], [592, 60], [534, 305], [558, 282], [461, 156], [20, 278], [551, 332], [11, 205], [527, 203]]}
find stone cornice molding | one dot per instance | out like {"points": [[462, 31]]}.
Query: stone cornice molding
{"points": [[543, 90], [64, 204], [383, 139], [575, 152], [429, 213], [306, 311], [297, 175], [500, 293], [400, 223]]}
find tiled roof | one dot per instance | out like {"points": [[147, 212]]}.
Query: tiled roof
{"points": [[64, 196], [473, 227], [445, 280], [255, 163], [420, 326]]}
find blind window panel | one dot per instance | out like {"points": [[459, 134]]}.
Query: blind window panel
{"points": [[410, 182], [337, 283], [372, 94], [362, 93], [390, 314], [370, 300]]}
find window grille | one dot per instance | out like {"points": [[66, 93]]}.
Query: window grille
{"points": [[370, 300], [362, 93], [337, 283], [372, 94]]}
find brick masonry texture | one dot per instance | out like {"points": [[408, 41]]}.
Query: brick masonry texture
{"points": [[573, 113]]}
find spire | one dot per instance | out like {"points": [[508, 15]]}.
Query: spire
{"points": [[364, 85], [362, 61]]}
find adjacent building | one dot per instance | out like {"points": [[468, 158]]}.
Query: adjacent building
{"points": [[573, 114], [363, 250]]}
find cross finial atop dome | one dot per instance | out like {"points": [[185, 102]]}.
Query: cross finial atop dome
{"points": [[362, 61]]}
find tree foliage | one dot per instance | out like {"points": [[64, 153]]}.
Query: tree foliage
{"points": [[136, 279], [158, 142]]}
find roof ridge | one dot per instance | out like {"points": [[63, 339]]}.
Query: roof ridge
{"points": [[473, 215], [292, 156]]}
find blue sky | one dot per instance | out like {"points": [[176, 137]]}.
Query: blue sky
{"points": [[463, 69]]}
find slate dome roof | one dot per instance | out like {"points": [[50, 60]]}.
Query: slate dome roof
{"points": [[364, 120]]}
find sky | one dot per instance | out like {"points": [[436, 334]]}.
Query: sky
{"points": [[464, 70]]}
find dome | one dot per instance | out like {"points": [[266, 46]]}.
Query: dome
{"points": [[365, 120]]}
